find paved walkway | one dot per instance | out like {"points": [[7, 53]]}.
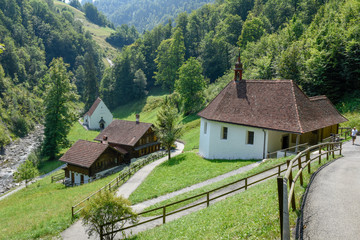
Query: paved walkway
{"points": [[331, 207], [77, 230]]}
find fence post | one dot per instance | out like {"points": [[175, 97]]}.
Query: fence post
{"points": [[301, 176], [327, 151], [283, 208], [164, 214], [246, 184], [333, 150], [340, 147], [320, 155], [72, 211], [293, 204], [285, 153], [279, 170], [207, 199], [308, 159]]}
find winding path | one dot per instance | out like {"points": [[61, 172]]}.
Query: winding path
{"points": [[331, 206]]}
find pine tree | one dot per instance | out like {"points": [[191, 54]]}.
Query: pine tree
{"points": [[59, 114], [167, 128]]}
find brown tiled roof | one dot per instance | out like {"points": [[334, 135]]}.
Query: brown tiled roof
{"points": [[271, 104], [93, 107], [84, 153], [124, 132]]}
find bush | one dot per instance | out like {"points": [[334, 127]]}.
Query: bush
{"points": [[105, 208]]}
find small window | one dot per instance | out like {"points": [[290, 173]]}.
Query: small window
{"points": [[205, 127], [250, 137], [224, 133]]}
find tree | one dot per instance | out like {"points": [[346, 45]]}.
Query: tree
{"points": [[106, 208], [59, 114], [2, 48], [170, 57], [252, 31], [91, 82], [191, 85], [76, 4], [139, 84], [26, 171], [167, 128]]}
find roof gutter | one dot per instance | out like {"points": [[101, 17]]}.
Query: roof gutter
{"points": [[264, 143]]}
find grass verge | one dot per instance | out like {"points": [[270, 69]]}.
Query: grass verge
{"points": [[42, 210], [253, 214], [182, 171]]}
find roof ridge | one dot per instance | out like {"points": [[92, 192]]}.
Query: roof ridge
{"points": [[296, 106]]}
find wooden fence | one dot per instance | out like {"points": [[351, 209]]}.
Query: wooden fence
{"points": [[118, 181], [287, 198], [58, 176], [211, 195]]}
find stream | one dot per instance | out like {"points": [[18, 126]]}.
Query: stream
{"points": [[16, 153]]}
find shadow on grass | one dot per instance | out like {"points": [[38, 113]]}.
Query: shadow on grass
{"points": [[230, 160], [174, 161], [190, 118]]}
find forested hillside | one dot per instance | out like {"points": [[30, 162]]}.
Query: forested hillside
{"points": [[33, 33], [314, 42], [145, 14]]}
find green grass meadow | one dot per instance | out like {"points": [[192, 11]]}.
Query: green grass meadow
{"points": [[182, 171]]}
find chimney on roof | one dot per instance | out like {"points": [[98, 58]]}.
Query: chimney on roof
{"points": [[137, 118], [238, 70], [104, 141]]}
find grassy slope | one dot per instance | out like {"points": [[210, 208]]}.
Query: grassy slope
{"points": [[252, 214], [43, 209], [98, 33], [182, 171]]}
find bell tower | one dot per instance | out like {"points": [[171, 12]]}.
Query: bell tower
{"points": [[238, 70]]}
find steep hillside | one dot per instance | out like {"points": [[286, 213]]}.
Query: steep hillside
{"points": [[98, 33], [146, 14]]}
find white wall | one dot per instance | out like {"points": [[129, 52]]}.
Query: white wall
{"points": [[234, 147], [100, 111], [77, 177]]}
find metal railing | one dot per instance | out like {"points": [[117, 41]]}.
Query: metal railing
{"points": [[287, 198], [118, 181], [287, 150]]}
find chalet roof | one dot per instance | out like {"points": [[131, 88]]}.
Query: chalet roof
{"points": [[93, 107], [124, 132], [271, 104], [84, 153]]}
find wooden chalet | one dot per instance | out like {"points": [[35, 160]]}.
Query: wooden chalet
{"points": [[87, 161], [136, 138]]}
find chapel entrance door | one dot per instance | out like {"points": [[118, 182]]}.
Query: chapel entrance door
{"points": [[285, 142]]}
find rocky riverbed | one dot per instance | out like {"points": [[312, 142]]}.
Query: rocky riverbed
{"points": [[16, 153]]}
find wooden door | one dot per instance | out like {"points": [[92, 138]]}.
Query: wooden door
{"points": [[72, 177], [81, 179], [285, 142]]}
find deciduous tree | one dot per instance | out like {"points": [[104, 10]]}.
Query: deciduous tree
{"points": [[106, 208], [26, 171], [191, 85]]}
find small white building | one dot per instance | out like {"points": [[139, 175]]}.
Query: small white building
{"points": [[98, 116], [251, 118]]}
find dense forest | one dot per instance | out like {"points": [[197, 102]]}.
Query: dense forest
{"points": [[145, 14], [33, 33], [314, 42]]}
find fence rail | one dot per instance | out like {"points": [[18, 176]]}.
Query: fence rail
{"points": [[209, 195], [58, 176], [118, 181], [287, 197]]}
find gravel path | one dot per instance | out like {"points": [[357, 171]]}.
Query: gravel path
{"points": [[331, 206]]}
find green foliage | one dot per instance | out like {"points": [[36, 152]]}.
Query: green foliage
{"points": [[59, 114], [170, 56], [105, 208], [191, 85], [252, 31], [4, 137], [167, 128], [26, 171], [76, 4], [147, 14], [124, 35], [93, 15]]}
